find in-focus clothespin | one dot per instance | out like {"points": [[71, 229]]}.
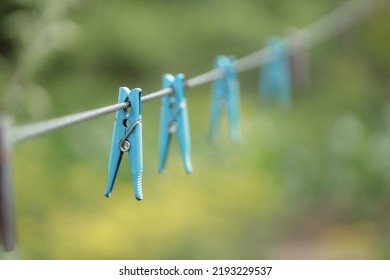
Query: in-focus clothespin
{"points": [[127, 137], [275, 78], [174, 120], [7, 223], [226, 94]]}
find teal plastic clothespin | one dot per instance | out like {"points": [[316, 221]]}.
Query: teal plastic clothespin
{"points": [[226, 93], [174, 119], [275, 78], [127, 137]]}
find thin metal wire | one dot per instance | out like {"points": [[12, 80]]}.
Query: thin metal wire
{"points": [[204, 78], [340, 20], [32, 130], [253, 60], [155, 95], [193, 82], [332, 24]]}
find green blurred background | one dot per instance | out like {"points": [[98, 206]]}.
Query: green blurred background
{"points": [[312, 183]]}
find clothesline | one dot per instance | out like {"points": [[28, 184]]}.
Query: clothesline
{"points": [[336, 22]]}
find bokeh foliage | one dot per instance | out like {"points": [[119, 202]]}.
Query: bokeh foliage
{"points": [[310, 183]]}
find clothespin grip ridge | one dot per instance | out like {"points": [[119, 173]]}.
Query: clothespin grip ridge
{"points": [[174, 120], [127, 137], [226, 94]]}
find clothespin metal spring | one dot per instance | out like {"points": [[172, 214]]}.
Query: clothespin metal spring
{"points": [[173, 125], [125, 145]]}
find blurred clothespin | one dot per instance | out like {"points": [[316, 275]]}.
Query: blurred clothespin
{"points": [[7, 224], [275, 75], [127, 137], [300, 59], [226, 94], [174, 119]]}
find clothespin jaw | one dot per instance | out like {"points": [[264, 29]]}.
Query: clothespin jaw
{"points": [[226, 93], [275, 76], [127, 137], [174, 120]]}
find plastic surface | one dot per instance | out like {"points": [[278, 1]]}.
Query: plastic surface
{"points": [[174, 120], [124, 122], [275, 78], [226, 95]]}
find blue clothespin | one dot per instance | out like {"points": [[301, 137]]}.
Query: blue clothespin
{"points": [[275, 78], [127, 137], [226, 93], [174, 119]]}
